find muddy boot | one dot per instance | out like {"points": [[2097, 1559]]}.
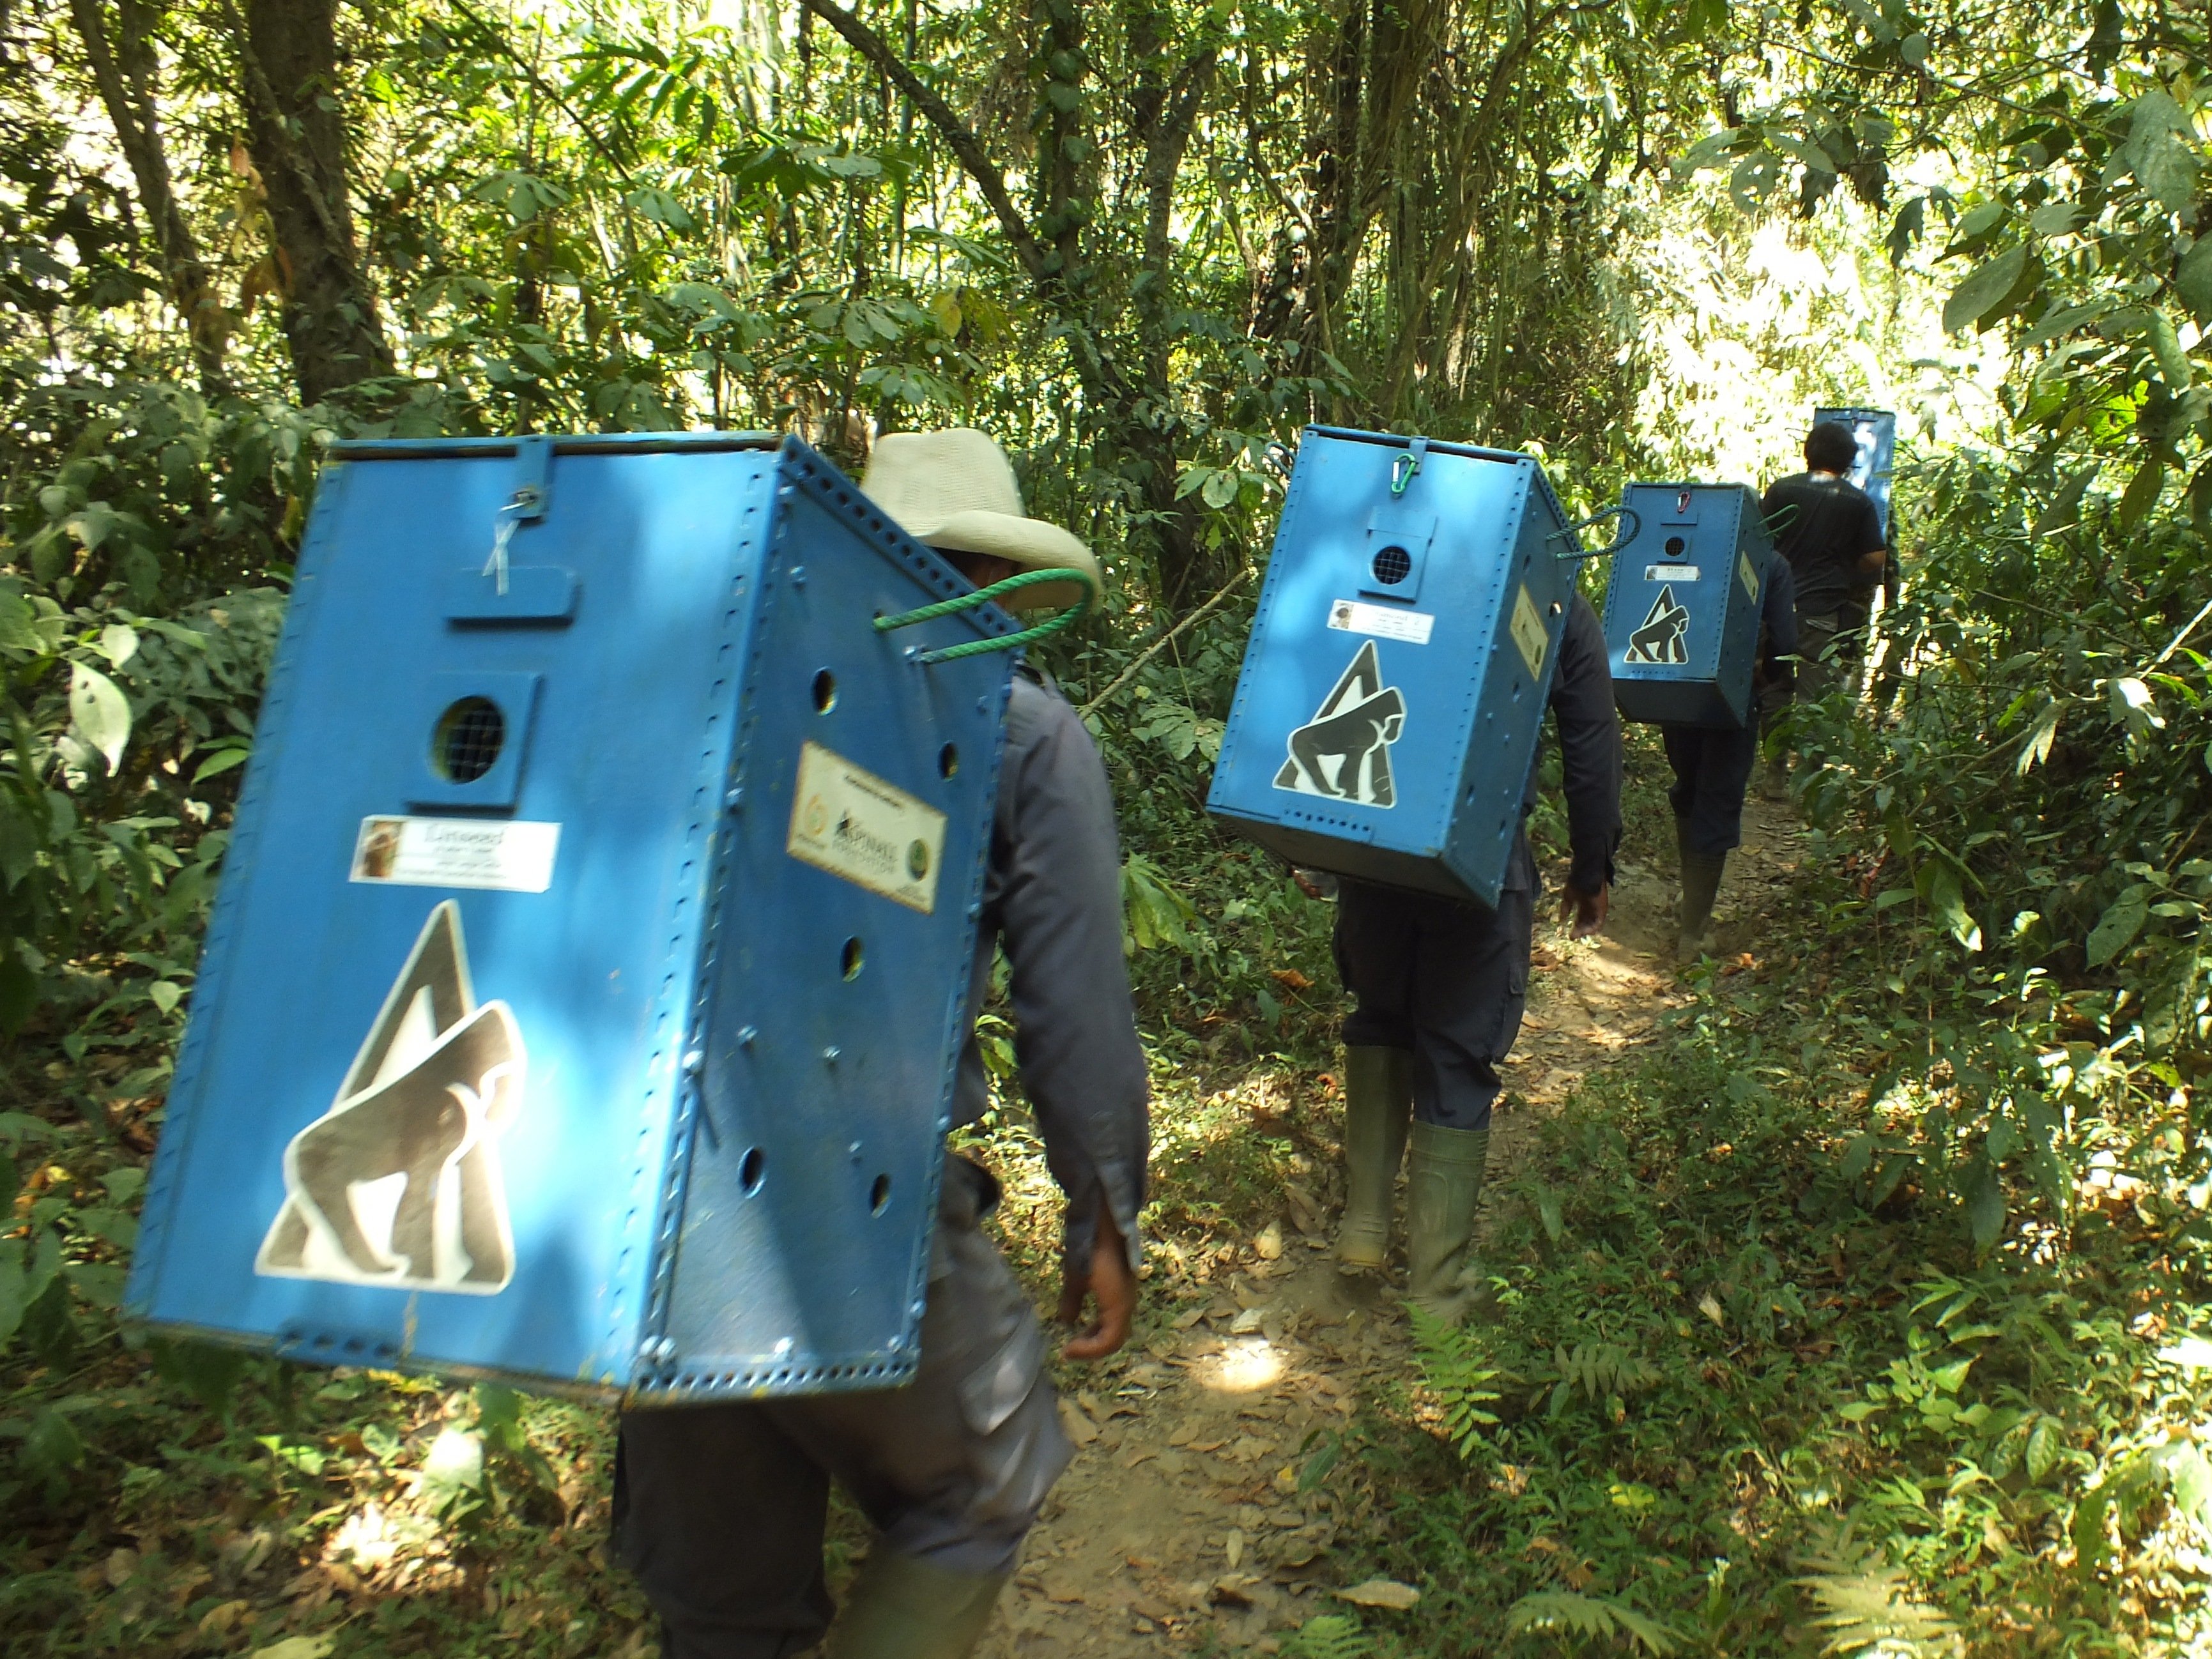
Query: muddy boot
{"points": [[902, 1608], [1378, 1102], [1701, 884], [1443, 1180]]}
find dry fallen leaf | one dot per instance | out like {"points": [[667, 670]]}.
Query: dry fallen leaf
{"points": [[1235, 1546], [1380, 1593], [1270, 1242], [1710, 1309], [1080, 1429]]}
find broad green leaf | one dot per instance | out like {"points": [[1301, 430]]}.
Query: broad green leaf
{"points": [[165, 995], [2188, 1475], [19, 628], [2054, 218], [1984, 286], [99, 713], [1985, 1218], [2117, 928], [52, 1448], [2192, 281], [455, 1461], [2166, 347], [1702, 17], [1913, 49], [119, 642], [2158, 150], [2065, 508], [220, 762], [2044, 1442], [2142, 492]]}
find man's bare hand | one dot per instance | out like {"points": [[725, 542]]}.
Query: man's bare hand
{"points": [[1586, 910], [1110, 1285]]}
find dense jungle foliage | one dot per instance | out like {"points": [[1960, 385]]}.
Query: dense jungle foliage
{"points": [[1875, 1315]]}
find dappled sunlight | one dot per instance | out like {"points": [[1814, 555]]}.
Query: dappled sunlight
{"points": [[1246, 1366]]}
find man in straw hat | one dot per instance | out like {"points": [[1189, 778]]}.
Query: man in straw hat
{"points": [[720, 1509]]}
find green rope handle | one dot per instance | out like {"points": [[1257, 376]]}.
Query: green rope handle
{"points": [[983, 596], [1632, 527]]}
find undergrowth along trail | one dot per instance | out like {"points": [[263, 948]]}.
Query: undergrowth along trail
{"points": [[1217, 1502]]}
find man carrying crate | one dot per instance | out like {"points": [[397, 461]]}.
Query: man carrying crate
{"points": [[720, 1509], [1712, 767], [1830, 531], [1440, 987]]}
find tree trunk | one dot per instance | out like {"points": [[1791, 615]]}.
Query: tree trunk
{"points": [[289, 51], [125, 70]]}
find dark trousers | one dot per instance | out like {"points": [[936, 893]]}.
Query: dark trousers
{"points": [[719, 1509], [1447, 981], [1712, 770]]}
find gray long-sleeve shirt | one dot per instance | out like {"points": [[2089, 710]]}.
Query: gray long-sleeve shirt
{"points": [[1052, 896], [1589, 748]]}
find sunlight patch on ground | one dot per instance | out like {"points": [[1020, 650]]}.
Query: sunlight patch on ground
{"points": [[1245, 1366]]}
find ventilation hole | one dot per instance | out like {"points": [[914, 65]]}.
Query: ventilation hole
{"points": [[852, 958], [825, 691], [948, 759], [469, 737], [1392, 566], [751, 1167], [879, 1195], [1676, 547]]}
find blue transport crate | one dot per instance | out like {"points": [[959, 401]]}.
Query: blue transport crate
{"points": [[1682, 614], [1393, 688], [582, 999], [1877, 431]]}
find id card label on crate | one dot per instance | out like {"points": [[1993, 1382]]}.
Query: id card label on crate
{"points": [[1353, 617], [852, 824], [408, 852]]}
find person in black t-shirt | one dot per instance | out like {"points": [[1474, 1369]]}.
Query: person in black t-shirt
{"points": [[1830, 531]]}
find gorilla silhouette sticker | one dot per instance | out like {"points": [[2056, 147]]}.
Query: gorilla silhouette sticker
{"points": [[1659, 641], [398, 1184], [1344, 751]]}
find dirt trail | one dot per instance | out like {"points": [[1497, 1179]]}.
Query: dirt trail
{"points": [[1182, 1515]]}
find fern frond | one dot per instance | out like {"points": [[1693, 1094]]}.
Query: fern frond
{"points": [[1589, 1615], [1331, 1635], [1866, 1607], [1455, 1373]]}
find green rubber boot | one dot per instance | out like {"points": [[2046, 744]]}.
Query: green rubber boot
{"points": [[1378, 1102], [1701, 886], [902, 1608], [1443, 1182]]}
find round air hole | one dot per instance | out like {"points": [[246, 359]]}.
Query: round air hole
{"points": [[852, 958], [948, 759], [1676, 547], [1392, 566], [470, 735], [751, 1167], [825, 691], [879, 1195]]}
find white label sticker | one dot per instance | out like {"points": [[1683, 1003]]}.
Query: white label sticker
{"points": [[1529, 633], [1413, 626], [1746, 574], [871, 833], [1670, 573], [517, 858]]}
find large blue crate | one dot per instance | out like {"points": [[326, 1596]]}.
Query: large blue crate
{"points": [[1394, 686], [582, 1000], [1681, 612], [1877, 431]]}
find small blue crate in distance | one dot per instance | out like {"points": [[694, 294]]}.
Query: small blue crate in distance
{"points": [[582, 998], [1394, 686], [1681, 613], [1876, 432]]}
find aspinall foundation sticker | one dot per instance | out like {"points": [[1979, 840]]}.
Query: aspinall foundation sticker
{"points": [[1344, 751], [398, 1184]]}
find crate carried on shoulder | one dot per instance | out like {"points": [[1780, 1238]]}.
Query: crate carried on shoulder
{"points": [[1393, 687], [1682, 610], [582, 1000]]}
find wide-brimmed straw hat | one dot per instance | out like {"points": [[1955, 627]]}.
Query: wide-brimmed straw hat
{"points": [[956, 491]]}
